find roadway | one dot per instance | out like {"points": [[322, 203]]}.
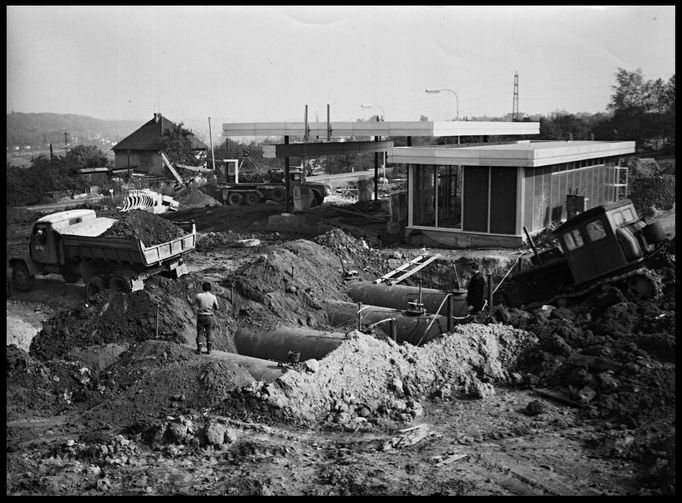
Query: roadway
{"points": [[343, 178], [63, 204]]}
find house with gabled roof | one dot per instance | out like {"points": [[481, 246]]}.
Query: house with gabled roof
{"points": [[140, 151]]}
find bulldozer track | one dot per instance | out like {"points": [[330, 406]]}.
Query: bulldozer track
{"points": [[641, 271]]}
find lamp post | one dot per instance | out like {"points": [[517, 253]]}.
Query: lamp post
{"points": [[436, 91]]}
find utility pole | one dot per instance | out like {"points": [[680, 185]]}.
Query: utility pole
{"points": [[515, 101], [210, 137]]}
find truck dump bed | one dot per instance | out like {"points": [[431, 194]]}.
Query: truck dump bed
{"points": [[130, 251]]}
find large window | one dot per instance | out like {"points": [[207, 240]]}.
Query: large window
{"points": [[573, 240], [595, 230], [438, 196]]}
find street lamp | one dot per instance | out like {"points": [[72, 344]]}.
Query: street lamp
{"points": [[436, 91], [379, 106]]}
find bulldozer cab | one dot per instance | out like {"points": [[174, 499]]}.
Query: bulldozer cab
{"points": [[600, 240]]}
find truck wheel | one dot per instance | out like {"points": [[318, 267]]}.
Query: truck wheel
{"points": [[21, 277], [318, 199], [118, 283], [252, 199], [235, 198], [71, 276], [277, 195], [94, 286]]}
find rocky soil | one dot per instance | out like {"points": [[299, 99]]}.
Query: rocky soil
{"points": [[108, 397]]}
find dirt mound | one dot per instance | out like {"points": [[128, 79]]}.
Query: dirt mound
{"points": [[157, 378], [117, 317], [610, 355], [355, 253], [147, 227], [44, 388], [367, 378], [287, 283], [196, 198]]}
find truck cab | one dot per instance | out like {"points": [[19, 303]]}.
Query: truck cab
{"points": [[45, 243]]}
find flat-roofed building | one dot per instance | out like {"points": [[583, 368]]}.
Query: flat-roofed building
{"points": [[485, 195]]}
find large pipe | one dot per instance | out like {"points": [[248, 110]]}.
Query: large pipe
{"points": [[407, 327], [399, 297], [261, 370], [276, 344]]}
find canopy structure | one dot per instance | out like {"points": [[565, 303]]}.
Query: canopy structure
{"points": [[328, 138], [323, 130]]}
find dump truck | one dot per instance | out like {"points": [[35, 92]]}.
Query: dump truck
{"points": [[235, 191], [69, 243], [607, 244]]}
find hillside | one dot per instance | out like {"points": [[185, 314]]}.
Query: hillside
{"points": [[38, 130]]}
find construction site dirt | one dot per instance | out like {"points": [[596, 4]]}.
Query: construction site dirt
{"points": [[107, 396]]}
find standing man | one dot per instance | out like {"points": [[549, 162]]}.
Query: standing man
{"points": [[476, 290], [206, 303]]}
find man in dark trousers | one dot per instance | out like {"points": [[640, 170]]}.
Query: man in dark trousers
{"points": [[206, 303], [476, 290]]}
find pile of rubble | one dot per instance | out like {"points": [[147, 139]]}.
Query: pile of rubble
{"points": [[368, 380], [196, 198], [147, 227]]}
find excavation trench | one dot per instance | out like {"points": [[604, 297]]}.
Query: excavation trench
{"points": [[293, 344]]}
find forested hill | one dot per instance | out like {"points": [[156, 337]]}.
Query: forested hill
{"points": [[41, 129]]}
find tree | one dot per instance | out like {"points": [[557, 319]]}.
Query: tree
{"points": [[176, 143], [79, 157], [643, 111]]}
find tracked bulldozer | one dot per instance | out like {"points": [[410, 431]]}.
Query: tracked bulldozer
{"points": [[607, 244]]}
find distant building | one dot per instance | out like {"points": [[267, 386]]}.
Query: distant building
{"points": [[485, 195], [140, 151]]}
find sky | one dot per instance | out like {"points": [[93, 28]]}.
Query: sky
{"points": [[266, 63]]}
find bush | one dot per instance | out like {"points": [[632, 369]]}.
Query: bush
{"points": [[658, 191]]}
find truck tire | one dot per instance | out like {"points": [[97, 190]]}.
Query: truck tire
{"points": [[71, 276], [94, 286], [118, 283], [21, 277], [251, 198], [318, 199], [277, 195], [235, 198]]}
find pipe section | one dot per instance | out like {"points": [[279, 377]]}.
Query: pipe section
{"points": [[400, 296], [399, 325], [276, 344]]}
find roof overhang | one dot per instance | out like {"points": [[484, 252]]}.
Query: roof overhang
{"points": [[374, 128], [330, 148], [521, 154]]}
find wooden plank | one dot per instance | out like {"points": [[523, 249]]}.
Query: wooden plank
{"points": [[172, 169], [412, 271], [399, 269]]}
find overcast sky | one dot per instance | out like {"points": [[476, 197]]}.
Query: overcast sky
{"points": [[257, 64]]}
